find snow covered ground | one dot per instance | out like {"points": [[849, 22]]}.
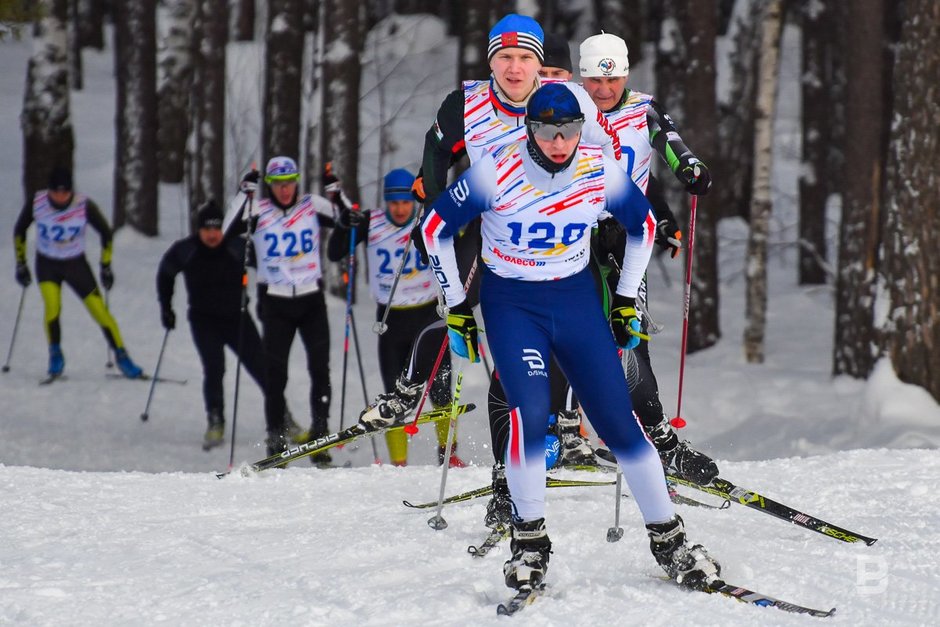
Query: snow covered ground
{"points": [[109, 520]]}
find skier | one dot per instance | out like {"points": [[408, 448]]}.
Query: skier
{"points": [[213, 270], [538, 198], [642, 126], [556, 63], [61, 218], [285, 228], [413, 303]]}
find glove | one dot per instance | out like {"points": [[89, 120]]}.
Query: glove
{"points": [[351, 218], [249, 184], [420, 246], [417, 189], [107, 277], [462, 331], [694, 175], [23, 277], [668, 236], [168, 318], [625, 324]]}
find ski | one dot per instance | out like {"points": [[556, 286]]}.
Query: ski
{"points": [[335, 439], [681, 499], [494, 537], [550, 482], [146, 377], [756, 598], [52, 378], [522, 599], [754, 500]]}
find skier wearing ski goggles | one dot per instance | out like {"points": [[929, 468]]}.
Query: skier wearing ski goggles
{"points": [[547, 131]]}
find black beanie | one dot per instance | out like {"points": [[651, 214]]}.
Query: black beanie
{"points": [[557, 53], [209, 216], [60, 179]]}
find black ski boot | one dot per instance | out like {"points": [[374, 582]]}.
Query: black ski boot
{"points": [[689, 566], [499, 509], [575, 448], [276, 442], [318, 429], [531, 548], [680, 459]]}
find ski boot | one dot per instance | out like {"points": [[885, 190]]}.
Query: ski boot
{"points": [[680, 459], [294, 432], [128, 368], [690, 566], [531, 548], [575, 448], [318, 429], [499, 509], [215, 432], [391, 408], [276, 442], [454, 461], [56, 360]]}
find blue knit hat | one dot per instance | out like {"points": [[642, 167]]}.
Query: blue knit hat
{"points": [[553, 103], [398, 184], [516, 31]]}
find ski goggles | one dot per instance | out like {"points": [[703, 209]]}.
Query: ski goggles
{"points": [[547, 131]]}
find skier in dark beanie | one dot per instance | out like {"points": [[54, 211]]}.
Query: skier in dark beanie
{"points": [[61, 218], [213, 267]]}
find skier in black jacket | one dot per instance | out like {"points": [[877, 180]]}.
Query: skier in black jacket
{"points": [[213, 270]]}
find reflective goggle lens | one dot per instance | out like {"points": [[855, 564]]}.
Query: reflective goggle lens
{"points": [[547, 131]]}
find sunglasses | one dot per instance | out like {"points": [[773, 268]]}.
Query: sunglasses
{"points": [[547, 131]]}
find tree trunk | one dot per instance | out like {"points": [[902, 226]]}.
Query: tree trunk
{"points": [[624, 19], [686, 70], [756, 272], [912, 235], [245, 20], [853, 349], [174, 84], [75, 47], [91, 24], [205, 159], [135, 164], [46, 120], [816, 32], [472, 63], [284, 52]]}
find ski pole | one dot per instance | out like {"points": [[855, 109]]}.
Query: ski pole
{"points": [[437, 521], [153, 381], [110, 362], [381, 327], [362, 377], [679, 422], [16, 326], [615, 533], [243, 314], [412, 427], [351, 268]]}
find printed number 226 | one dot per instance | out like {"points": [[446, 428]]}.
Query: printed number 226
{"points": [[290, 242]]}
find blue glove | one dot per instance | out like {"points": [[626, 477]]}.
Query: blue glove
{"points": [[625, 323], [462, 332]]}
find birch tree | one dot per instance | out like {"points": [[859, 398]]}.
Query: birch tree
{"points": [[816, 31], [46, 120], [244, 20], [762, 204], [854, 350], [341, 72], [472, 41], [205, 157], [909, 294], [135, 166], [174, 83], [284, 51]]}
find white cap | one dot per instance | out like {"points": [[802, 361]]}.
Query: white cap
{"points": [[604, 55]]}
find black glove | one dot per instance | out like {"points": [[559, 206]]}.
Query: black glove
{"points": [[625, 323], [694, 175], [107, 277], [168, 318], [23, 277], [351, 218], [418, 240], [249, 184], [668, 236]]}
